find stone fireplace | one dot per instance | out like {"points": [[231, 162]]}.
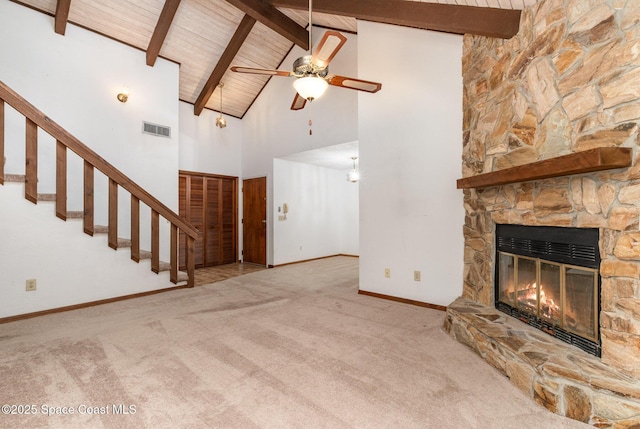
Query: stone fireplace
{"points": [[566, 85]]}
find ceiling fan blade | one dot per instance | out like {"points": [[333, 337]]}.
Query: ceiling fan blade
{"points": [[260, 71], [298, 102], [352, 83], [328, 47]]}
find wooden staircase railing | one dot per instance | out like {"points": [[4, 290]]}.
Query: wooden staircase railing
{"points": [[64, 141]]}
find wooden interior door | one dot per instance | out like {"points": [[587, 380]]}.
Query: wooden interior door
{"points": [[210, 203], [254, 222]]}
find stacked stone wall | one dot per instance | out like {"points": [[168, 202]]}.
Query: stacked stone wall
{"points": [[569, 81]]}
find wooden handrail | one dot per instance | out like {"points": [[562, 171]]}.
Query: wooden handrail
{"points": [[71, 142]]}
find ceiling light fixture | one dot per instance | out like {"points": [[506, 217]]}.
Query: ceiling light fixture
{"points": [[354, 174], [220, 121]]}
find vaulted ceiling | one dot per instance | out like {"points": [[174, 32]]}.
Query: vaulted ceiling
{"points": [[206, 37]]}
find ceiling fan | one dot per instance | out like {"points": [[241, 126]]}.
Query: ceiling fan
{"points": [[312, 71]]}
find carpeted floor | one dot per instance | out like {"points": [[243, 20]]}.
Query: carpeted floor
{"points": [[289, 347]]}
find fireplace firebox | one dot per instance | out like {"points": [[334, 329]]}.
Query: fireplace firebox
{"points": [[548, 277]]}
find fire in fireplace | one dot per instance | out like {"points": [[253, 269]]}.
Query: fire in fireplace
{"points": [[548, 277]]}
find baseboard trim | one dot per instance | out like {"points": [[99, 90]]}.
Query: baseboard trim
{"points": [[86, 304], [403, 300], [312, 259]]}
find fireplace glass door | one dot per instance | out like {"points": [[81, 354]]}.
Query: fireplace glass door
{"points": [[548, 278], [558, 295], [507, 278], [581, 299]]}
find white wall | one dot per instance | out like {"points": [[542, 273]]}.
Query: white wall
{"points": [[74, 80], [411, 213], [69, 266], [206, 148], [271, 130], [323, 212]]}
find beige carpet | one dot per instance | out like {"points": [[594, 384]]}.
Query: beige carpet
{"points": [[290, 347]]}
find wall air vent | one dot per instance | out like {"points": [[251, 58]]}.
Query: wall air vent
{"points": [[156, 130]]}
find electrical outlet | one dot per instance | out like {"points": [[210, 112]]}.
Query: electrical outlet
{"points": [[387, 273], [31, 285], [416, 276]]}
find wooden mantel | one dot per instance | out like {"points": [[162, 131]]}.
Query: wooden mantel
{"points": [[604, 158]]}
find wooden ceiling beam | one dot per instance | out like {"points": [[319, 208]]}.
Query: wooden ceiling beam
{"points": [[268, 15], [62, 16], [224, 62], [162, 28], [448, 18]]}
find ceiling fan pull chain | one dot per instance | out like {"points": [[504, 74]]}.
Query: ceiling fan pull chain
{"points": [[310, 121]]}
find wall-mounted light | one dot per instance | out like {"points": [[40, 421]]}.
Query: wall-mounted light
{"points": [[220, 121], [123, 95], [354, 174]]}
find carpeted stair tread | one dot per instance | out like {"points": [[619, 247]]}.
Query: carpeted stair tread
{"points": [[46, 197], [166, 266], [100, 229], [17, 178], [75, 215]]}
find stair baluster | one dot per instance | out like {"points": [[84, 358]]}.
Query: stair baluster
{"points": [[135, 229], [61, 180], [1, 142], [31, 162], [88, 199], [155, 241], [113, 214]]}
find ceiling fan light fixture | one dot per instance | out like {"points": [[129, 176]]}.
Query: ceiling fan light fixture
{"points": [[310, 87]]}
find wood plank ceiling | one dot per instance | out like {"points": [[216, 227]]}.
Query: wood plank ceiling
{"points": [[206, 37]]}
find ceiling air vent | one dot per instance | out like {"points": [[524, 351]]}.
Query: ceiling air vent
{"points": [[156, 130]]}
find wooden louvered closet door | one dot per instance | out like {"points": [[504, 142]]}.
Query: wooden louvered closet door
{"points": [[209, 202], [212, 225]]}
